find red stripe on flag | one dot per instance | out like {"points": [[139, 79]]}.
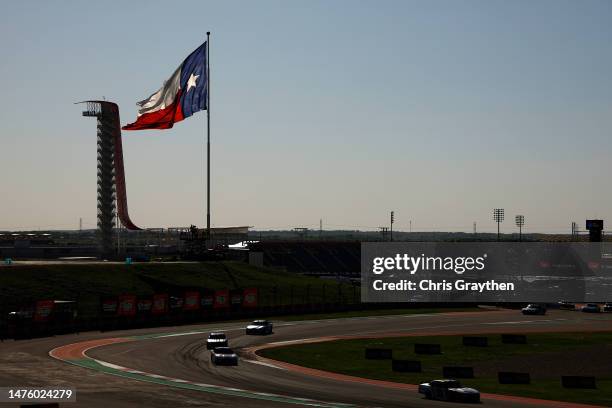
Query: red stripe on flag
{"points": [[161, 119]]}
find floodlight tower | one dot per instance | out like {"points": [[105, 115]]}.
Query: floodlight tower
{"points": [[520, 221], [498, 216], [392, 220]]}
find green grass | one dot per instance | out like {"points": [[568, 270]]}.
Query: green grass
{"points": [[347, 357]]}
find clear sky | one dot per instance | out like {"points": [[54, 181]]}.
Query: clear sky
{"points": [[341, 110]]}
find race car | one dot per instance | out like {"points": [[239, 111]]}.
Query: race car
{"points": [[591, 308], [534, 309], [223, 356], [448, 390], [259, 327], [216, 340], [565, 305], [607, 307]]}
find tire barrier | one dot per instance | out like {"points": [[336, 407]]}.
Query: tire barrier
{"points": [[575, 381]]}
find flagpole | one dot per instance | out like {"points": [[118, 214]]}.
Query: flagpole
{"points": [[208, 134]]}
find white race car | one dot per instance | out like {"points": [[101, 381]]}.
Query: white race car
{"points": [[223, 356], [534, 309], [216, 340], [449, 390], [259, 327]]}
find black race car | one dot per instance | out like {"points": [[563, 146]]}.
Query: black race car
{"points": [[534, 309], [216, 340], [223, 356], [565, 305], [259, 327], [448, 390], [607, 307]]}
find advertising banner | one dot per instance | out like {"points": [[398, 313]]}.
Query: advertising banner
{"points": [[249, 298], [192, 300], [109, 306], [43, 310], [236, 298], [221, 299], [144, 306], [207, 300], [127, 305], [160, 304], [176, 303], [531, 272]]}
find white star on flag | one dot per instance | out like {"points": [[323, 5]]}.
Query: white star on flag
{"points": [[191, 83]]}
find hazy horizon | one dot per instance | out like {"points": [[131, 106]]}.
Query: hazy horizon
{"points": [[341, 111]]}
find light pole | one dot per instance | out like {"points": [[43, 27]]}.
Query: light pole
{"points": [[383, 232], [520, 221], [498, 216], [392, 219]]}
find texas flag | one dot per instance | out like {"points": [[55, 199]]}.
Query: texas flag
{"points": [[184, 93]]}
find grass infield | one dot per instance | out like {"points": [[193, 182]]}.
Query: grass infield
{"points": [[546, 357]]}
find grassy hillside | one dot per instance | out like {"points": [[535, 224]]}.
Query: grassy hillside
{"points": [[88, 282]]}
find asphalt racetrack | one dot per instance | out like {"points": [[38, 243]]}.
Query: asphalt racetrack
{"points": [[170, 367]]}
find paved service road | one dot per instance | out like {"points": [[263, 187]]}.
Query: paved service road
{"points": [[179, 359]]}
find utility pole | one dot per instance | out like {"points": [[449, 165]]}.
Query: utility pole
{"points": [[474, 227], [320, 228], [80, 225], [391, 228]]}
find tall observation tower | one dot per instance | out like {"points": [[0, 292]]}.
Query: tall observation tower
{"points": [[111, 176]]}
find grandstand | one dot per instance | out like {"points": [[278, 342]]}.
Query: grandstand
{"points": [[324, 258]]}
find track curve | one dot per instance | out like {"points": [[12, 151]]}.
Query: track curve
{"points": [[174, 361]]}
